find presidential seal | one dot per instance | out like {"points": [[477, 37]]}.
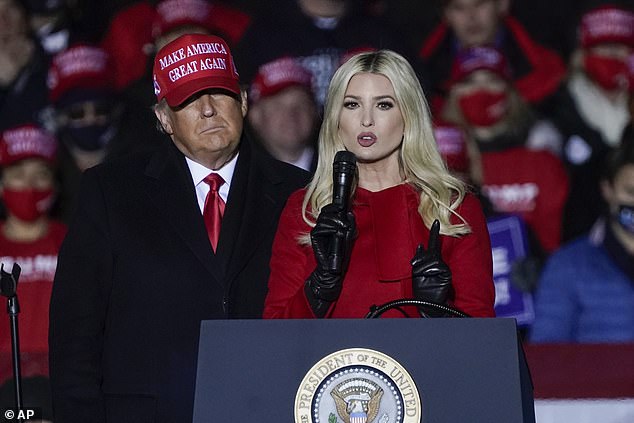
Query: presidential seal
{"points": [[357, 385]]}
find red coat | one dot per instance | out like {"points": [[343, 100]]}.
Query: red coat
{"points": [[389, 230]]}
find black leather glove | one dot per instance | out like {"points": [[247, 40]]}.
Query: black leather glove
{"points": [[431, 277], [331, 239]]}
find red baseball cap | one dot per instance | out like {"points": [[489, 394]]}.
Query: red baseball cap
{"points": [[24, 142], [607, 24], [277, 75], [171, 14], [192, 63], [479, 58], [81, 66]]}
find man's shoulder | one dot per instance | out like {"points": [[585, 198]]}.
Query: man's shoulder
{"points": [[122, 166], [577, 252], [278, 171]]}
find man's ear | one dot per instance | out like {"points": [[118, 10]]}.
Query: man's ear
{"points": [[244, 102], [255, 116], [164, 118]]}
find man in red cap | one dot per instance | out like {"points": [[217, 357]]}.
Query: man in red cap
{"points": [[591, 108], [86, 112], [283, 112], [162, 240]]}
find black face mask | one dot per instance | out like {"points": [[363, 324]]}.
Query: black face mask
{"points": [[625, 217], [89, 138]]}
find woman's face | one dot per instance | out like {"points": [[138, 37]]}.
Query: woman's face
{"points": [[370, 121]]}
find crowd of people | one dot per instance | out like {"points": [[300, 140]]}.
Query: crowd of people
{"points": [[459, 111]]}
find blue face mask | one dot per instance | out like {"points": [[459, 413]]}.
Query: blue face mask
{"points": [[89, 138], [625, 217]]}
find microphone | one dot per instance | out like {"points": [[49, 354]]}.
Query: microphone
{"points": [[343, 171]]}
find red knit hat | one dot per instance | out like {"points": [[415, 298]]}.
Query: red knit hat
{"points": [[452, 146], [479, 58], [277, 75], [81, 66], [607, 24], [24, 142], [192, 63], [171, 14]]}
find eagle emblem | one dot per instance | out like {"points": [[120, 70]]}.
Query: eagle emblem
{"points": [[357, 400]]}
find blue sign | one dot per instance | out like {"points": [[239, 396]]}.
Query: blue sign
{"points": [[509, 244]]}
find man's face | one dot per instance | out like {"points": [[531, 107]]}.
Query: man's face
{"points": [[207, 126], [475, 22], [285, 120]]}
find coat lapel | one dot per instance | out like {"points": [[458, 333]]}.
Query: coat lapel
{"points": [[170, 187], [250, 213]]}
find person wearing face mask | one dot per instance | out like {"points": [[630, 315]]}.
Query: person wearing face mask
{"points": [[586, 292], [515, 179], [87, 113], [538, 70], [591, 108], [30, 238], [413, 230]]}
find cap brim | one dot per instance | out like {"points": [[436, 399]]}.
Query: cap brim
{"points": [[180, 94], [18, 158]]}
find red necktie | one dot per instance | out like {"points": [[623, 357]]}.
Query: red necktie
{"points": [[214, 208]]}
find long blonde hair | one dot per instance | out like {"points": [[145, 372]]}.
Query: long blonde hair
{"points": [[423, 168]]}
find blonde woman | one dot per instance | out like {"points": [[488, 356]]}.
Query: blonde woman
{"points": [[376, 109]]}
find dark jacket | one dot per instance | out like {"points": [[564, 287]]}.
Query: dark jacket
{"points": [[137, 274]]}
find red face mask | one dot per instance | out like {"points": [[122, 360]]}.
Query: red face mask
{"points": [[610, 73], [28, 204], [484, 108]]}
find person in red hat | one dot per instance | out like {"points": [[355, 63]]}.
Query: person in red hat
{"points": [[160, 241], [87, 114], [82, 92], [136, 33], [538, 71], [591, 109], [30, 238], [530, 182], [283, 113]]}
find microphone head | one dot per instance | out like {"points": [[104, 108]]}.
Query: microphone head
{"points": [[345, 156]]}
